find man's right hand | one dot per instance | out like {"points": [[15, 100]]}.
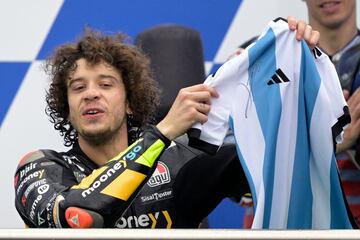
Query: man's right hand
{"points": [[191, 105]]}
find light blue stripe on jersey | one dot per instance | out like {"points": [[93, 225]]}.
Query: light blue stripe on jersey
{"points": [[301, 195], [244, 166], [339, 219], [262, 61]]}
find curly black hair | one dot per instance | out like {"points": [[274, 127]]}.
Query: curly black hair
{"points": [[142, 90]]}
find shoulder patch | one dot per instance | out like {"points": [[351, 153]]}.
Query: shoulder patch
{"points": [[30, 157]]}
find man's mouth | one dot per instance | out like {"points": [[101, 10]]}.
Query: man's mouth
{"points": [[92, 112], [329, 4]]}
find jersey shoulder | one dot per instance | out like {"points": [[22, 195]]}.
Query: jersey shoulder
{"points": [[39, 155]]}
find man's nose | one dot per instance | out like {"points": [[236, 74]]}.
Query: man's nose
{"points": [[92, 93]]}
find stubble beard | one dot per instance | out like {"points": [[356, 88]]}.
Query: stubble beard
{"points": [[100, 137]]}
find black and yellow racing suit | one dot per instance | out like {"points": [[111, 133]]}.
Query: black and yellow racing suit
{"points": [[154, 183]]}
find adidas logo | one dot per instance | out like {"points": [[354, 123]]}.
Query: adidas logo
{"points": [[278, 77]]}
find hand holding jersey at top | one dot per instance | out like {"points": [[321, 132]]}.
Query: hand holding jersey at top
{"points": [[96, 103], [303, 31], [283, 109]]}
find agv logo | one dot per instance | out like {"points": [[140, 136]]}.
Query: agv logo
{"points": [[160, 176]]}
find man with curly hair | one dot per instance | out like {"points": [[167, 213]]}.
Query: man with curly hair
{"points": [[122, 171], [101, 97]]}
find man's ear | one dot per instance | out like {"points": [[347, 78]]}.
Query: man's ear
{"points": [[68, 118], [128, 109]]}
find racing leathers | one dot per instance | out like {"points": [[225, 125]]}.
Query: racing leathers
{"points": [[154, 183]]}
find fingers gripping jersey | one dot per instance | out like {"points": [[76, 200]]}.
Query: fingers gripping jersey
{"points": [[285, 107], [49, 194]]}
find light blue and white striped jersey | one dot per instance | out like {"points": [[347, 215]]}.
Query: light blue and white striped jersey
{"points": [[285, 107]]}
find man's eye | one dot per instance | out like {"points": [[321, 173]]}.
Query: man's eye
{"points": [[78, 87], [106, 85]]}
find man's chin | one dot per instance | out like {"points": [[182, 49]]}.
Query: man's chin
{"points": [[96, 137], [333, 22]]}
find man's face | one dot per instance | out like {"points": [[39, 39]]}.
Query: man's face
{"points": [[97, 102], [331, 13]]}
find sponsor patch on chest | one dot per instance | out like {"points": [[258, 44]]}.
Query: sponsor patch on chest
{"points": [[160, 176]]}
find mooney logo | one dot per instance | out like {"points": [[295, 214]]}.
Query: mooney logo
{"points": [[37, 174], [103, 178], [160, 176], [145, 220], [278, 77]]}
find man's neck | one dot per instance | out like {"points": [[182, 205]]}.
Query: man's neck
{"points": [[102, 153], [332, 40]]}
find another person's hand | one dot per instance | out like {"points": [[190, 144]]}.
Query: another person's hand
{"points": [[191, 105], [304, 32], [352, 132]]}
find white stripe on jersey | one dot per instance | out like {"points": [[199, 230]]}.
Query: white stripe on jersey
{"points": [[286, 134], [281, 104]]}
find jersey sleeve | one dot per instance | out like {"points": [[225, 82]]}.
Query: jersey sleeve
{"points": [[210, 135], [339, 109], [48, 194], [37, 181]]}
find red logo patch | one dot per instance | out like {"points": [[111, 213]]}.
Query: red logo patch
{"points": [[160, 176]]}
